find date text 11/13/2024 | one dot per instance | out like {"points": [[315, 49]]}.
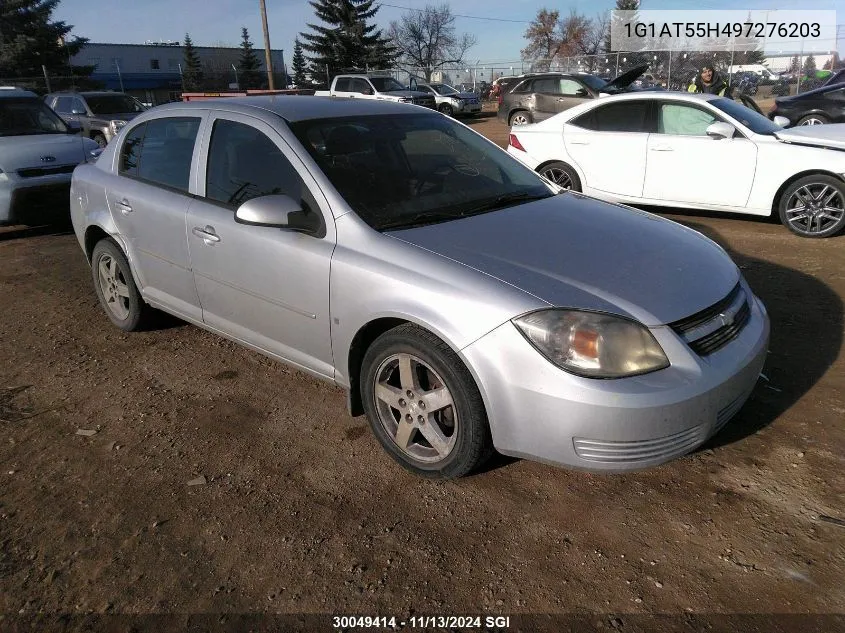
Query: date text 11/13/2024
{"points": [[351, 622]]}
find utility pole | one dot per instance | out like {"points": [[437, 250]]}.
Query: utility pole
{"points": [[267, 58]]}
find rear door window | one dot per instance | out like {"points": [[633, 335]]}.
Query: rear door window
{"points": [[628, 116], [161, 151]]}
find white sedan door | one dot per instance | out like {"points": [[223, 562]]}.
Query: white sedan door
{"points": [[609, 144], [686, 165]]}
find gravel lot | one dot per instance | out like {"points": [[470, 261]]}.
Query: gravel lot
{"points": [[297, 510]]}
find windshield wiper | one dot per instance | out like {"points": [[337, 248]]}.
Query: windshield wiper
{"points": [[500, 202]]}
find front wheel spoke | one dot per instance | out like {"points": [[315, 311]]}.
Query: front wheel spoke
{"points": [[830, 198], [104, 269], [403, 434], [435, 437], [388, 394], [407, 377], [835, 210], [818, 197], [437, 399], [113, 268], [122, 289], [800, 209]]}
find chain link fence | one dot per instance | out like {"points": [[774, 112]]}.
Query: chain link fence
{"points": [[670, 70]]}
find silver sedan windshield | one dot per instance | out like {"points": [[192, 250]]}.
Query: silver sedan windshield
{"points": [[410, 169]]}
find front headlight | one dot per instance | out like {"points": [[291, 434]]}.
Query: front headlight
{"points": [[115, 125], [405, 100], [591, 344]]}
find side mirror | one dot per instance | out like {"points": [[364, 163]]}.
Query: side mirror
{"points": [[720, 130], [582, 92], [781, 121], [278, 211], [73, 127]]}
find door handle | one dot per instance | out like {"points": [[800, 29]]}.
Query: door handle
{"points": [[573, 142], [124, 207], [207, 234], [662, 148]]}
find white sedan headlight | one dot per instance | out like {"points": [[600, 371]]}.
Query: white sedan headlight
{"points": [[592, 344]]}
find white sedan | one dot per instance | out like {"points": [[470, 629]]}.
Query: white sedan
{"points": [[692, 151]]}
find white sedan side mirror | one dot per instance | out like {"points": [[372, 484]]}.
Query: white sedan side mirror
{"points": [[720, 130], [781, 121]]}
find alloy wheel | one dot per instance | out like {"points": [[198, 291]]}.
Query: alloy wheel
{"points": [[815, 208], [113, 286], [812, 121], [416, 408], [558, 176]]}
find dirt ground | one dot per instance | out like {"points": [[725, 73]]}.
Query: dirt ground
{"points": [[297, 509]]}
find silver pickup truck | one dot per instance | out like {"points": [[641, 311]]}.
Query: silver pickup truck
{"points": [[372, 86]]}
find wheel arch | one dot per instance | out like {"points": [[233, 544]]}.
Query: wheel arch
{"points": [[570, 164], [368, 333], [809, 172]]}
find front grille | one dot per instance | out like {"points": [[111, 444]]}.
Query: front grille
{"points": [[713, 328], [662, 448], [35, 172]]}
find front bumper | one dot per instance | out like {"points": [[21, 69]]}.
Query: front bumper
{"points": [[540, 412], [37, 200]]}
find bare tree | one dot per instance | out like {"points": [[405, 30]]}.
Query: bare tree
{"points": [[427, 41], [543, 39]]}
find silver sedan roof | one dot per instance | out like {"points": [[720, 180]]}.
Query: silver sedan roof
{"points": [[294, 108]]}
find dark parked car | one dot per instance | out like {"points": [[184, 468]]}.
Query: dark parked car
{"points": [[100, 114], [541, 96], [822, 105]]}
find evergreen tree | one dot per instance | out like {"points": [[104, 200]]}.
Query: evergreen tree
{"points": [[632, 58], [346, 40], [794, 65], [192, 74], [29, 38], [810, 67], [249, 75], [298, 64]]}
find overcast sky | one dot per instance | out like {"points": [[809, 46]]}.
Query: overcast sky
{"points": [[216, 22]]}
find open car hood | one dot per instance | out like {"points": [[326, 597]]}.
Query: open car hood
{"points": [[626, 79], [831, 136]]}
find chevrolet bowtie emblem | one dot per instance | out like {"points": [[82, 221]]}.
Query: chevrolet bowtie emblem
{"points": [[726, 319]]}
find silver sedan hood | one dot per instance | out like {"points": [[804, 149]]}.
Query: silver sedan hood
{"points": [[23, 152], [573, 251]]}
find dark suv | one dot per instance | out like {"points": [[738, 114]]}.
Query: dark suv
{"points": [[100, 114], [541, 96]]}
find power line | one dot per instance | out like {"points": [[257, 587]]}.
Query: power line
{"points": [[459, 15]]}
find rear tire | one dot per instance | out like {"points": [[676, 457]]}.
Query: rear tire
{"points": [[520, 117], [813, 119], [423, 404], [814, 206], [562, 175], [116, 288]]}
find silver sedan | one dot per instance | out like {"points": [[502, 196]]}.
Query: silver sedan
{"points": [[466, 304]]}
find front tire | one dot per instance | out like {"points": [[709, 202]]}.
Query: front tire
{"points": [[116, 288], [813, 119], [446, 109], [813, 206], [423, 405], [562, 175], [100, 140]]}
